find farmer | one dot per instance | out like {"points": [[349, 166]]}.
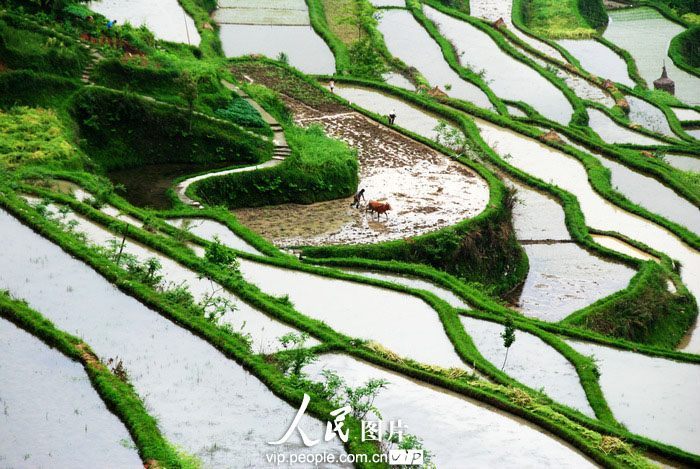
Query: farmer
{"points": [[331, 85], [392, 116], [111, 23], [356, 199]]}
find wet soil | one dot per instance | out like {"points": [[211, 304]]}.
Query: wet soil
{"points": [[426, 189]]}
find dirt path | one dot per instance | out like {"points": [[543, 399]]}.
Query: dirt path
{"points": [[426, 189]]}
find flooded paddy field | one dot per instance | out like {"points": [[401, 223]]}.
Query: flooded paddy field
{"points": [[211, 230], [683, 162], [414, 282], [649, 116], [449, 424], [563, 277], [612, 132], [426, 189], [406, 39], [629, 29], [649, 192], [530, 361], [598, 59], [51, 416], [494, 10], [568, 173], [263, 330], [504, 74], [204, 402], [165, 18], [272, 29], [654, 397], [395, 320]]}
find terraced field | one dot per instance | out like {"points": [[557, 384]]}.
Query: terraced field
{"points": [[326, 233]]}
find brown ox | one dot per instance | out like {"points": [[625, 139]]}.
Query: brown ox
{"points": [[378, 207]]}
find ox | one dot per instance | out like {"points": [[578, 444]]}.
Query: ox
{"points": [[378, 207]]}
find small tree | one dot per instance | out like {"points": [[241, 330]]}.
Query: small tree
{"points": [[360, 399], [296, 356], [508, 336], [218, 254], [452, 138]]}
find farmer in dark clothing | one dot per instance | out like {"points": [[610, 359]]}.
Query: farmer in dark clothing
{"points": [[356, 199], [392, 116]]}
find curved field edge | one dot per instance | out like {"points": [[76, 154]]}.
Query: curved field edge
{"points": [[558, 420], [119, 397], [580, 117], [574, 217]]}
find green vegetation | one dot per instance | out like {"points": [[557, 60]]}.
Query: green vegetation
{"points": [[240, 112], [54, 128], [318, 169], [685, 50], [35, 137], [646, 313], [39, 51], [121, 130], [564, 18]]}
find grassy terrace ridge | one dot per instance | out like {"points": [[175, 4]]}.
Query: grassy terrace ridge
{"points": [[559, 19], [550, 417], [119, 397]]}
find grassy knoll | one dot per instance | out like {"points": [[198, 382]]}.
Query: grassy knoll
{"points": [[320, 168], [685, 50], [120, 130], [564, 18]]}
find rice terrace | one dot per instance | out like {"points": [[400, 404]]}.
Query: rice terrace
{"points": [[349, 233]]}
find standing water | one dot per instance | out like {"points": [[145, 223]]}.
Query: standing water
{"points": [[165, 18], [654, 397], [205, 403], [558, 168], [504, 74], [457, 431], [395, 320], [630, 29], [530, 361], [50, 416], [407, 40]]}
